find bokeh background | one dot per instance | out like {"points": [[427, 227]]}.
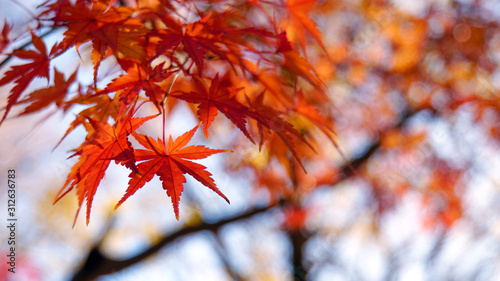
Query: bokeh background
{"points": [[415, 90]]}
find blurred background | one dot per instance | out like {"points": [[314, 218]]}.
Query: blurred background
{"points": [[415, 196]]}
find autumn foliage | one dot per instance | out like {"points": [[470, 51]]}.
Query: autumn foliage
{"points": [[339, 116], [210, 55]]}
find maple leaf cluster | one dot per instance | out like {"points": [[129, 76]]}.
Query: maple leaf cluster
{"points": [[211, 55]]}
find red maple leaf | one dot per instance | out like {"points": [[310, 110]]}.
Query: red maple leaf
{"points": [[218, 98], [311, 112], [25, 73], [140, 77], [4, 36], [107, 27], [270, 119], [195, 40], [170, 162], [298, 15], [104, 107], [297, 65], [54, 94], [107, 143]]}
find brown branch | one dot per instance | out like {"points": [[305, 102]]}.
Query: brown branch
{"points": [[347, 171], [97, 264], [222, 253], [298, 238]]}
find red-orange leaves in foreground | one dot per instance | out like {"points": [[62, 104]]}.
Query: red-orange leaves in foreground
{"points": [[194, 40], [24, 74], [106, 143], [218, 98], [107, 27], [170, 163], [54, 94], [140, 77], [302, 22], [214, 55], [269, 119], [4, 36]]}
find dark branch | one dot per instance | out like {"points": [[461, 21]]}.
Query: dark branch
{"points": [[298, 238], [347, 170], [97, 264], [221, 251], [7, 59]]}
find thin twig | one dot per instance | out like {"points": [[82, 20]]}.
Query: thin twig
{"points": [[24, 8], [98, 264], [7, 59]]}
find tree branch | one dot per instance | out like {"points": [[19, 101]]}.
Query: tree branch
{"points": [[97, 264], [298, 238], [348, 169], [8, 58], [221, 251]]}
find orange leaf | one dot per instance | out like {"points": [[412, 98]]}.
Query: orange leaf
{"points": [[194, 39], [140, 77], [218, 98], [44, 97], [108, 143], [298, 11], [269, 118], [170, 164], [24, 74], [108, 27], [299, 66], [103, 108]]}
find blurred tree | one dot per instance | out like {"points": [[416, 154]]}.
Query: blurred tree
{"points": [[363, 134]]}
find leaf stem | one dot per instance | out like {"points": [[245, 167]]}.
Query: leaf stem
{"points": [[163, 106], [173, 81]]}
